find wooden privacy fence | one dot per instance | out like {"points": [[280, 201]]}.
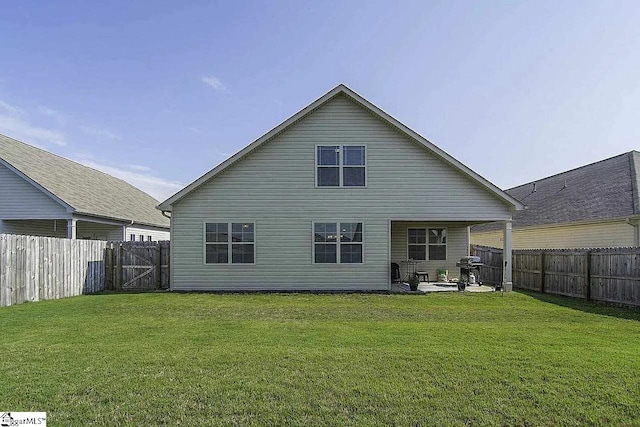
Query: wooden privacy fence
{"points": [[39, 268], [137, 266], [602, 274]]}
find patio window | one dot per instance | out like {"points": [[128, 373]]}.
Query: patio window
{"points": [[417, 244], [427, 244], [341, 166], [337, 243], [224, 247], [438, 244]]}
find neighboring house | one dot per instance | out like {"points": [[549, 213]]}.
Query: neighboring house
{"points": [[592, 206], [328, 200], [42, 194]]}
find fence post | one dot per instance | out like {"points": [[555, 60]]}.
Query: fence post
{"points": [[542, 272], [108, 267], [158, 265], [588, 278], [119, 261]]}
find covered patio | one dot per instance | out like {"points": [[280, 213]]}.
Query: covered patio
{"points": [[431, 249]]}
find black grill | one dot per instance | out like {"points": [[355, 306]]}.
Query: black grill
{"points": [[469, 265]]}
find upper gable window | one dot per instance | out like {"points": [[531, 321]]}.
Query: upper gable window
{"points": [[341, 166]]}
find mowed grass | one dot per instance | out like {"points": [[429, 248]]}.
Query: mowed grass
{"points": [[301, 359]]}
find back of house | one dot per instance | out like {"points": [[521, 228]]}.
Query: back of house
{"points": [[327, 201]]}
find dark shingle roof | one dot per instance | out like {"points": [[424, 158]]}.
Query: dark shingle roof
{"points": [[87, 190], [601, 190]]}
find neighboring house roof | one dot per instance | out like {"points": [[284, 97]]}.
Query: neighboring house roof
{"points": [[79, 188], [603, 190], [340, 90]]}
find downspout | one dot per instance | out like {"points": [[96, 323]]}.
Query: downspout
{"points": [[635, 222], [164, 214], [124, 231]]}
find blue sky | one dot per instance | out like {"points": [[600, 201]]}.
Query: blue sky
{"points": [[159, 92]]}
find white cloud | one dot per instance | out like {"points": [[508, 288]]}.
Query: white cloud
{"points": [[214, 82], [157, 187], [11, 109], [194, 129], [99, 132], [139, 168], [61, 118], [14, 123], [20, 129]]}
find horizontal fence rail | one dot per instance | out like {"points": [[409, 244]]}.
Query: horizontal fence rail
{"points": [[39, 268], [137, 266], [599, 274]]}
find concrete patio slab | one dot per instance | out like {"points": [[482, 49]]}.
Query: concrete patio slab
{"points": [[428, 287]]}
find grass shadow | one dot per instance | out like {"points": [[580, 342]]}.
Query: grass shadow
{"points": [[593, 307]]}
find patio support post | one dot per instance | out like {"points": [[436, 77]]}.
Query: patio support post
{"points": [[507, 284], [71, 228]]}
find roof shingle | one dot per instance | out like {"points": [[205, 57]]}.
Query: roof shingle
{"points": [[87, 190], [601, 190]]}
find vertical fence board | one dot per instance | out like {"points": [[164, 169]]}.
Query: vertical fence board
{"points": [[39, 268], [600, 274]]}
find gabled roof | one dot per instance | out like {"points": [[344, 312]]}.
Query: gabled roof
{"points": [[80, 189], [340, 90], [602, 190]]}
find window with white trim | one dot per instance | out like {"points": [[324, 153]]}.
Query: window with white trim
{"points": [[438, 244], [132, 237], [341, 166], [427, 244], [417, 244], [337, 243], [229, 243]]}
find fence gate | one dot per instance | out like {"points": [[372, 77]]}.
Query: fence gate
{"points": [[138, 265]]}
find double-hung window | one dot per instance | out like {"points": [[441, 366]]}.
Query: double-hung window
{"points": [[229, 243], [337, 243], [341, 166], [437, 243], [427, 244], [417, 244]]}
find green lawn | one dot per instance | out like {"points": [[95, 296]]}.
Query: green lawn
{"points": [[294, 359]]}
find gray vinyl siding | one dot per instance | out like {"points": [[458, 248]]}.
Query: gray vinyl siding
{"points": [[275, 187], [97, 231], [39, 227], [457, 247], [156, 234], [19, 199], [58, 228]]}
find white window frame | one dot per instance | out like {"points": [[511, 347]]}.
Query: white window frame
{"points": [[341, 166], [229, 243], [338, 242], [427, 244], [446, 245], [132, 237]]}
